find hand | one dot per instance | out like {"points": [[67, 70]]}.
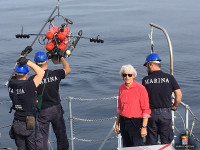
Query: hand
{"points": [[60, 53], [143, 132], [50, 54], [22, 61], [117, 129], [27, 50], [174, 108]]}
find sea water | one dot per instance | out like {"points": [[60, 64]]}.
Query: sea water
{"points": [[124, 26]]}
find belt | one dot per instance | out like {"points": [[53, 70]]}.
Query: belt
{"points": [[161, 109], [125, 118]]}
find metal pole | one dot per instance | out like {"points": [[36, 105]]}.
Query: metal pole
{"points": [[173, 126], [71, 123], [119, 135], [187, 120], [183, 104], [104, 141], [187, 107], [169, 43], [43, 26], [173, 120], [119, 141]]}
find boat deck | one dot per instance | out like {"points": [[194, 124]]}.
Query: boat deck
{"points": [[152, 147]]}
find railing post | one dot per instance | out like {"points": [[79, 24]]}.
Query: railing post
{"points": [[71, 123], [173, 119], [173, 126], [119, 137], [187, 120], [119, 141]]}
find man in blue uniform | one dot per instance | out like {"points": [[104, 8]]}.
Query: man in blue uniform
{"points": [[22, 94], [51, 109], [160, 87]]}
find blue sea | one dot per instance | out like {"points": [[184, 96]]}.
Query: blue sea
{"points": [[124, 27]]}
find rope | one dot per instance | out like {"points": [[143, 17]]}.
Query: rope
{"points": [[195, 138], [193, 114], [73, 98], [90, 120], [192, 126], [178, 130], [50, 142], [181, 118], [5, 126], [82, 99], [5, 102], [86, 140]]}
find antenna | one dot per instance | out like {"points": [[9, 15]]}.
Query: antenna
{"points": [[58, 8]]}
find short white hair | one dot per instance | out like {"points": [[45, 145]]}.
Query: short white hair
{"points": [[128, 68], [41, 63]]}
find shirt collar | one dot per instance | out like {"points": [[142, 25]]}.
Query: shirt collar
{"points": [[157, 71]]}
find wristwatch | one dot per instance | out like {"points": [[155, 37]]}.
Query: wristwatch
{"points": [[144, 126]]}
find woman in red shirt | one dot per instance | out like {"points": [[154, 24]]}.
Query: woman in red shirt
{"points": [[133, 109]]}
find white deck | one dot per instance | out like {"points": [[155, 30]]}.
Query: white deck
{"points": [[152, 147]]}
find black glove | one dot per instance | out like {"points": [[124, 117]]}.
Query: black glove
{"points": [[174, 108], [22, 61], [27, 50], [60, 53], [50, 54]]}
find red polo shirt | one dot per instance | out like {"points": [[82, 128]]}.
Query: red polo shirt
{"points": [[133, 102]]}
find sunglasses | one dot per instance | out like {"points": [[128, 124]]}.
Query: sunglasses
{"points": [[125, 75]]}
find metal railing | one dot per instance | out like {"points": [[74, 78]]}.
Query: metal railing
{"points": [[188, 131], [72, 118]]}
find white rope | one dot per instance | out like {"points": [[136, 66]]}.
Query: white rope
{"points": [[86, 140], [90, 120], [5, 102], [94, 99], [5, 126], [181, 118]]}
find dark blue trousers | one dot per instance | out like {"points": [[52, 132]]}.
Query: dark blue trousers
{"points": [[160, 123], [53, 115], [25, 139], [131, 131]]}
